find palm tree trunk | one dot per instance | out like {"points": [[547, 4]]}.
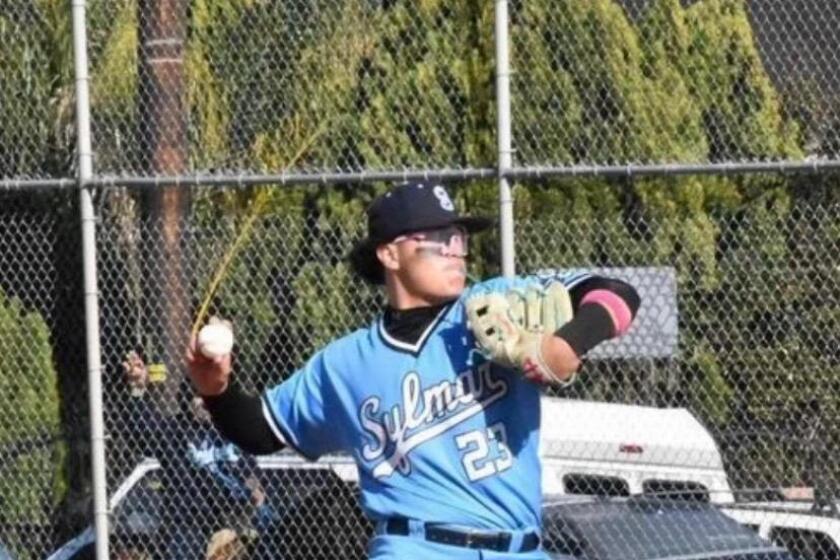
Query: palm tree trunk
{"points": [[163, 132]]}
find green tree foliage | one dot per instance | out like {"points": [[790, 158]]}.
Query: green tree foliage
{"points": [[114, 79], [741, 110], [305, 100], [684, 84], [427, 93], [30, 460], [346, 85], [35, 100], [771, 330], [613, 102]]}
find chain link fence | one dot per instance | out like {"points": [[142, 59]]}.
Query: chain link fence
{"points": [[226, 87], [36, 100], [614, 83], [324, 86], [255, 87], [282, 284], [753, 363], [362, 86], [736, 344], [43, 434]]}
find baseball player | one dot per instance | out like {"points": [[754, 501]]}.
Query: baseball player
{"points": [[438, 399]]}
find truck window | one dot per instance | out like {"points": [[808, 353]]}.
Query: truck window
{"points": [[677, 489], [595, 485], [806, 545]]}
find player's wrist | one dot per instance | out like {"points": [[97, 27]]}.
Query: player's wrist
{"points": [[550, 360], [213, 389], [559, 358]]}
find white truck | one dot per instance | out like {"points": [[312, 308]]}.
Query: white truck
{"points": [[617, 449], [807, 528]]}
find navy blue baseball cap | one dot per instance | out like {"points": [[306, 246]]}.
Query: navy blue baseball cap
{"points": [[405, 209]]}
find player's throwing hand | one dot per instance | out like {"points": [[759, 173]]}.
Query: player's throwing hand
{"points": [[210, 375]]}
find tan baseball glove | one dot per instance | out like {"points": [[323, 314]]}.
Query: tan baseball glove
{"points": [[509, 327]]}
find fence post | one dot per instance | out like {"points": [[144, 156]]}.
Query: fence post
{"points": [[504, 138], [91, 290]]}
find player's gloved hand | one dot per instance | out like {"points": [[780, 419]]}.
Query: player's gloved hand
{"points": [[510, 328]]}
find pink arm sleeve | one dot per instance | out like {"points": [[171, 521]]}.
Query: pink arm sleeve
{"points": [[615, 306]]}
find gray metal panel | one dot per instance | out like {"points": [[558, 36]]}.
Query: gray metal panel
{"points": [[654, 331]]}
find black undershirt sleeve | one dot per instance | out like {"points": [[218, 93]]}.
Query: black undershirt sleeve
{"points": [[238, 417], [592, 323]]}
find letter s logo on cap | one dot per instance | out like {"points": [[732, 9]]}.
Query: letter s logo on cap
{"points": [[443, 197]]}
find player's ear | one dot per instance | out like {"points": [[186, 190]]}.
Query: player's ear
{"points": [[389, 256]]}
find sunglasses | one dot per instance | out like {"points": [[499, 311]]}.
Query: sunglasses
{"points": [[450, 241]]}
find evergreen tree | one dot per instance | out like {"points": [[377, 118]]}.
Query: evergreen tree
{"points": [[30, 435], [36, 139]]}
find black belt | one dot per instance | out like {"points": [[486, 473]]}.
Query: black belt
{"points": [[498, 541]]}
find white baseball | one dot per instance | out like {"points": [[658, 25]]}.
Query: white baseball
{"points": [[215, 339]]}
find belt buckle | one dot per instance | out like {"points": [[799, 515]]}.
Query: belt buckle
{"points": [[471, 539], [493, 541]]}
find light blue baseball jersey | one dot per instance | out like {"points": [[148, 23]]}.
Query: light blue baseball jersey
{"points": [[438, 433]]}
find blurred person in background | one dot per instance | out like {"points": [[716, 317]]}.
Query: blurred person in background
{"points": [[207, 484]]}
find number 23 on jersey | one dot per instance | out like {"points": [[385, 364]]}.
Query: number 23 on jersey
{"points": [[486, 451]]}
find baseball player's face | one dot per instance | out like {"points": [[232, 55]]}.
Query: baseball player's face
{"points": [[430, 266]]}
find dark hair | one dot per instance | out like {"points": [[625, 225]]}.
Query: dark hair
{"points": [[365, 263]]}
